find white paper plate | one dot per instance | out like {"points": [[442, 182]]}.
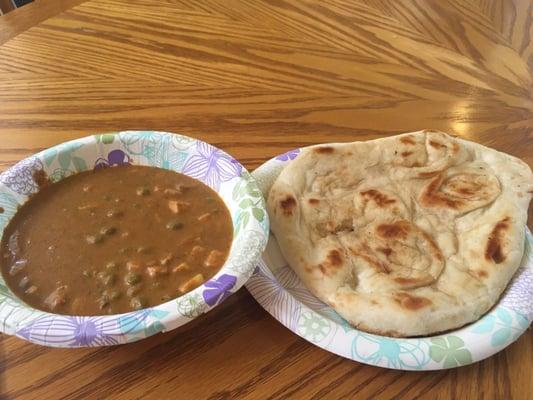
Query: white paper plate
{"points": [[277, 288]]}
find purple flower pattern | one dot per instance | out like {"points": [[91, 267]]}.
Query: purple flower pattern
{"points": [[67, 331], [115, 157], [520, 292], [274, 297], [217, 290], [290, 155], [19, 177], [211, 165]]}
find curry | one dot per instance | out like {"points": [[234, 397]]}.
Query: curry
{"points": [[115, 240]]}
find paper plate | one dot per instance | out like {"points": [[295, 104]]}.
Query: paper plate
{"points": [[279, 291], [180, 153]]}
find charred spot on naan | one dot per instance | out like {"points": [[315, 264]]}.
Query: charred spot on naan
{"points": [[365, 253], [411, 152], [429, 174], [385, 250], [455, 147], [431, 197], [442, 144], [413, 282], [479, 273], [333, 263], [334, 258], [494, 249], [408, 140], [313, 201], [460, 192], [465, 185], [395, 230], [381, 199], [437, 145], [288, 204], [411, 302], [403, 251], [324, 150]]}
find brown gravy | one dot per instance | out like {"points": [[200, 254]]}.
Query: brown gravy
{"points": [[115, 240]]}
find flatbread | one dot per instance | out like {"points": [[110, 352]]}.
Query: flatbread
{"points": [[407, 235]]}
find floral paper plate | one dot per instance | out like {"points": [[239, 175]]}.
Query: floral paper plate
{"points": [[277, 288], [179, 153]]}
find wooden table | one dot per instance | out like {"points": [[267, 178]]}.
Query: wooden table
{"points": [[256, 79]]}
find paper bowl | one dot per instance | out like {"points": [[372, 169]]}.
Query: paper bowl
{"points": [[179, 153], [279, 291]]}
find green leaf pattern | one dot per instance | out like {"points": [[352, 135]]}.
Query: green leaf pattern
{"points": [[450, 351], [313, 327], [67, 160], [10, 205], [191, 305], [106, 138], [156, 149], [59, 174], [251, 203]]}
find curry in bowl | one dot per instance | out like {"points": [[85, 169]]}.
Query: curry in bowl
{"points": [[115, 240]]}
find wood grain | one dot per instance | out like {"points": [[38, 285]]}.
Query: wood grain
{"points": [[257, 78], [6, 6]]}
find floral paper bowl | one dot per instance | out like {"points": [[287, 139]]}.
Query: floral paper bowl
{"points": [[280, 292], [189, 156]]}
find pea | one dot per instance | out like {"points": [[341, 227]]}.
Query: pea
{"points": [[107, 278], [114, 213], [143, 191], [94, 239], [136, 205], [24, 282], [137, 303], [174, 225], [132, 278], [108, 230]]}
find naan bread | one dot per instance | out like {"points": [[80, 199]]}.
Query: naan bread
{"points": [[403, 236]]}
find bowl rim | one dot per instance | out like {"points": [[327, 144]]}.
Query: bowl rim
{"points": [[148, 321]]}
